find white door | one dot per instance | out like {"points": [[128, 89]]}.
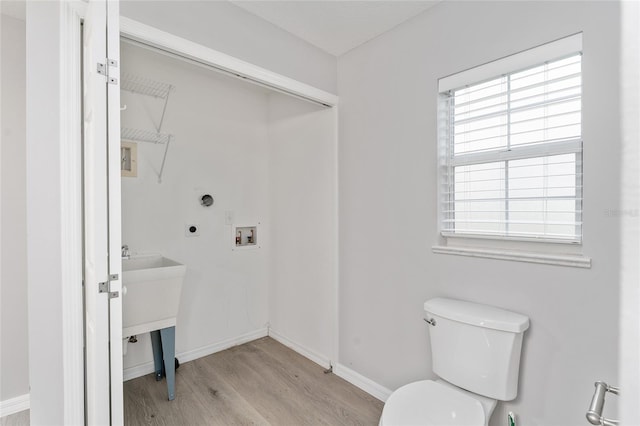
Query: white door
{"points": [[102, 264]]}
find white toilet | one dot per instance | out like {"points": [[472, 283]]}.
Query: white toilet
{"points": [[476, 352]]}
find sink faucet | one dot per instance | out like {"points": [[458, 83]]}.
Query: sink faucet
{"points": [[125, 252]]}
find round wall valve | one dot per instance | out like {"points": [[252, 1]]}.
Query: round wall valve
{"points": [[206, 200]]}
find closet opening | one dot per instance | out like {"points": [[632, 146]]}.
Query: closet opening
{"points": [[260, 257]]}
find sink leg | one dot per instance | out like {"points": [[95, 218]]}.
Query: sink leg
{"points": [[168, 338], [156, 345]]}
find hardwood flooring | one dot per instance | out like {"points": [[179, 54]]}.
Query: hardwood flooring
{"points": [[261, 382]]}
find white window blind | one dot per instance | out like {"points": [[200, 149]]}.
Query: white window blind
{"points": [[511, 154]]}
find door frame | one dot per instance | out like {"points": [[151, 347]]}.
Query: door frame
{"points": [[170, 44], [72, 14]]}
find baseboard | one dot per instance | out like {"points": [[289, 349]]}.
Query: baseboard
{"points": [[14, 405], [357, 379], [137, 371], [369, 386], [302, 350], [148, 368]]}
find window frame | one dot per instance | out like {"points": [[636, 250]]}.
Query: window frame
{"points": [[549, 52]]}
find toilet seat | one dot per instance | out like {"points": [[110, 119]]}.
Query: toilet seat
{"points": [[431, 403]]}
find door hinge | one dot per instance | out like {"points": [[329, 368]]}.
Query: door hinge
{"points": [[103, 69], [105, 287]]}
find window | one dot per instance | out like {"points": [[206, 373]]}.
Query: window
{"points": [[511, 149]]}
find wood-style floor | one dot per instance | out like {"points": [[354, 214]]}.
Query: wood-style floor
{"points": [[261, 382]]}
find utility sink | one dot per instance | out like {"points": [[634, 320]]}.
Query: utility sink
{"points": [[152, 285]]}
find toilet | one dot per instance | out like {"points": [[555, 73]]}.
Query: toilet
{"points": [[476, 355]]}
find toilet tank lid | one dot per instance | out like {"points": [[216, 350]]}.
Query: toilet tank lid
{"points": [[477, 314]]}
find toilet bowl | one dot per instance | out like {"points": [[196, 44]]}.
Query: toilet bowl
{"points": [[436, 403], [476, 353]]}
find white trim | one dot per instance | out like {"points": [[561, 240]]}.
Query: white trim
{"points": [[452, 236], [314, 356], [146, 34], [548, 259], [518, 61], [139, 370], [336, 279], [71, 212], [147, 368], [14, 405], [369, 386]]}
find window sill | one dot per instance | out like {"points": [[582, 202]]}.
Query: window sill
{"points": [[575, 261]]}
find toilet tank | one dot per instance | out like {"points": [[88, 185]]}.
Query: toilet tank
{"points": [[476, 347]]}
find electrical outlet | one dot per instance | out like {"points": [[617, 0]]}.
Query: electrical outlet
{"points": [[228, 217], [192, 230]]}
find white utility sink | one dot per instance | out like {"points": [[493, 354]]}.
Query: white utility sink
{"points": [[151, 287]]}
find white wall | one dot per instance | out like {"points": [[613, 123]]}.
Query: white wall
{"points": [[220, 148], [302, 196], [223, 26], [44, 219], [14, 349], [388, 213]]}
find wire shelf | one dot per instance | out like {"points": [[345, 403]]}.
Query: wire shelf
{"points": [[145, 86], [137, 135]]}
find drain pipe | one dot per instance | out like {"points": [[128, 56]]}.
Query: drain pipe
{"points": [[126, 341]]}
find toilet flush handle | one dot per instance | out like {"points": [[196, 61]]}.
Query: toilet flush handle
{"points": [[431, 321]]}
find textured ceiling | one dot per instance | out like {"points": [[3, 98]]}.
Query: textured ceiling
{"points": [[335, 26]]}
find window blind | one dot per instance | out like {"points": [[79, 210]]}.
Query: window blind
{"points": [[511, 153]]}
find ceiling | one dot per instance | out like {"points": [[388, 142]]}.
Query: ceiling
{"points": [[335, 26]]}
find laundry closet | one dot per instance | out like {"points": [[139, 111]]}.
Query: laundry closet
{"points": [[238, 182]]}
